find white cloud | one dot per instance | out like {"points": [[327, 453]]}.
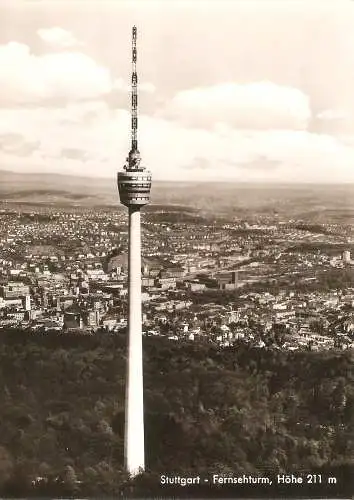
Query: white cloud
{"points": [[259, 105], [68, 76], [25, 77], [58, 37], [334, 114], [147, 87], [169, 149]]}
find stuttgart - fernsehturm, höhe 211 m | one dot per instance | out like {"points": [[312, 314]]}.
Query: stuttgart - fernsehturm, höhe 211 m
{"points": [[134, 184]]}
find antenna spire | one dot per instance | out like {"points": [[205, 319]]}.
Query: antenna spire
{"points": [[134, 108]]}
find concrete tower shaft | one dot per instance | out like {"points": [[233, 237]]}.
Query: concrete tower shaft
{"points": [[134, 404]]}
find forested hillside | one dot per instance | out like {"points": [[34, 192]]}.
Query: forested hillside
{"points": [[208, 411]]}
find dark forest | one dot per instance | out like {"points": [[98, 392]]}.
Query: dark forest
{"points": [[207, 410]]}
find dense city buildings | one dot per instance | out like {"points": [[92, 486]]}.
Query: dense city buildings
{"points": [[268, 284]]}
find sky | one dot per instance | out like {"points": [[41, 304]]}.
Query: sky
{"points": [[229, 90]]}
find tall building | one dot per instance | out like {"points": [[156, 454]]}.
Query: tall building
{"points": [[27, 303], [346, 256], [134, 184]]}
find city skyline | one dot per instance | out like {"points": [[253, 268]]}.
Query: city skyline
{"points": [[269, 102]]}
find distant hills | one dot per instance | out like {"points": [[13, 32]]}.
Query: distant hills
{"points": [[41, 188], [309, 202]]}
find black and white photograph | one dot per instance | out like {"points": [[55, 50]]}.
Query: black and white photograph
{"points": [[177, 249]]}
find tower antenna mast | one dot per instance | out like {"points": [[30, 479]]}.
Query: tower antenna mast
{"points": [[133, 160], [134, 107]]}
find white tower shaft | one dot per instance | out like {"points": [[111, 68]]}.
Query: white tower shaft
{"points": [[134, 412]]}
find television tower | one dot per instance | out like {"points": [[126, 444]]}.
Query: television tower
{"points": [[134, 184]]}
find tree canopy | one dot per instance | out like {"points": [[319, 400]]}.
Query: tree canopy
{"points": [[207, 410]]}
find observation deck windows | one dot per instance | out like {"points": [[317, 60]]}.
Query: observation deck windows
{"points": [[135, 186]]}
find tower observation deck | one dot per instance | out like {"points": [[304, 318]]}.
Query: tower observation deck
{"points": [[134, 182]]}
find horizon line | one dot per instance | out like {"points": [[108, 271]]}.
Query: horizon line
{"points": [[186, 181]]}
